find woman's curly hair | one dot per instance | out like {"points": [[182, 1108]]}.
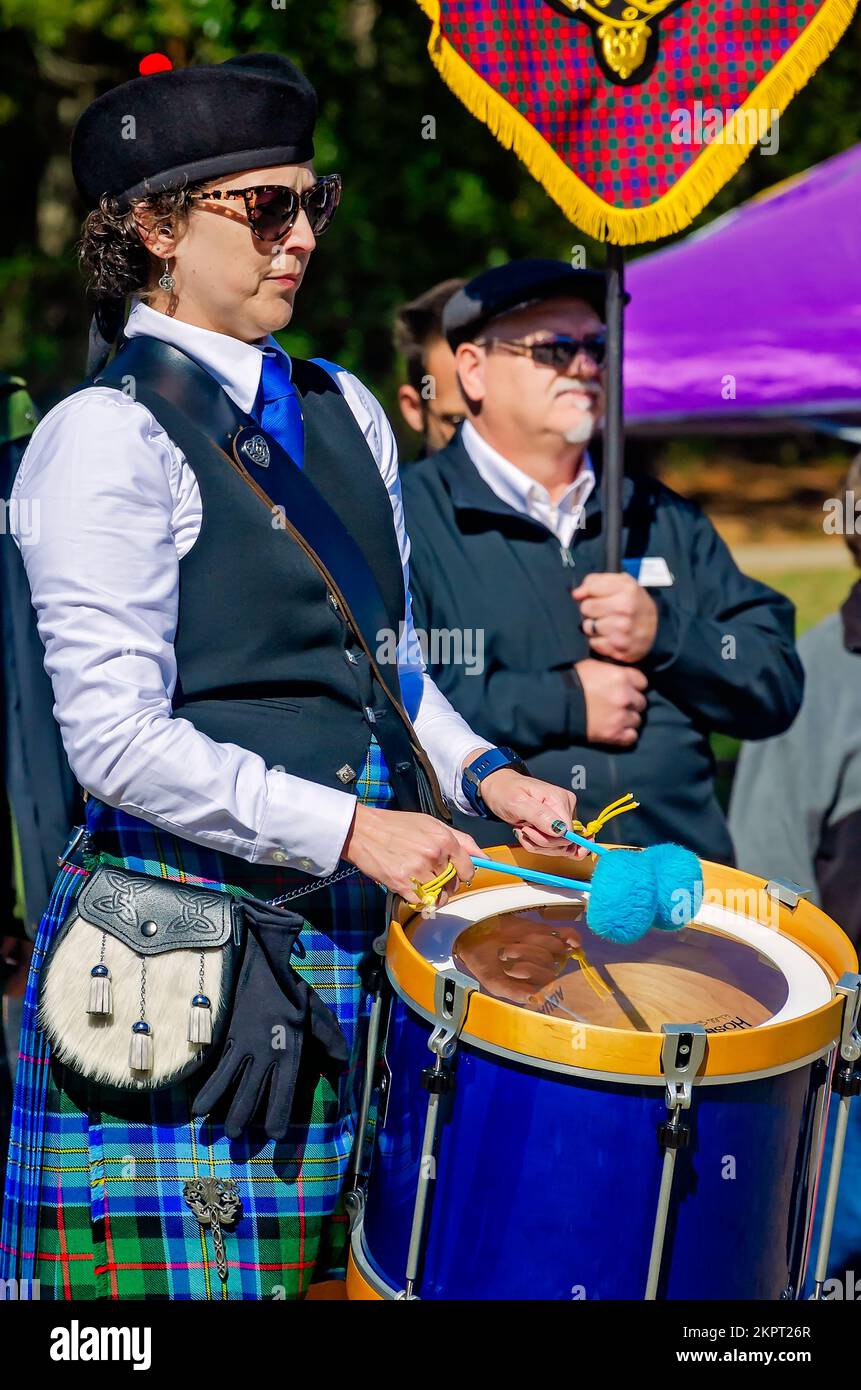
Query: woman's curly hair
{"points": [[111, 252]]}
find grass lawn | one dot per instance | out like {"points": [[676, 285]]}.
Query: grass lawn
{"points": [[815, 593]]}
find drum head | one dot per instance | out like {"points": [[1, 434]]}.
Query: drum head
{"points": [[534, 950]]}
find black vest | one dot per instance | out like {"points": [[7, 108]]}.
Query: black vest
{"points": [[264, 659]]}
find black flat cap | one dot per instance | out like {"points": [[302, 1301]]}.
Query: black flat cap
{"points": [[160, 132], [514, 286]]}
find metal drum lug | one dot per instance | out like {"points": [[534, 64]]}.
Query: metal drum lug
{"points": [[783, 890], [846, 1083], [682, 1054]]}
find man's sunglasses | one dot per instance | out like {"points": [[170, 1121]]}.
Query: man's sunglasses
{"points": [[558, 353], [272, 209]]}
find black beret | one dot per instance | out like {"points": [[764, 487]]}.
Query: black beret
{"points": [[514, 286], [193, 123]]}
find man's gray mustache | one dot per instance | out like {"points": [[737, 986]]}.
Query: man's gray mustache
{"points": [[585, 388]]}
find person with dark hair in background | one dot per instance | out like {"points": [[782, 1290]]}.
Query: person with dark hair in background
{"points": [[430, 399], [795, 811], [40, 797]]}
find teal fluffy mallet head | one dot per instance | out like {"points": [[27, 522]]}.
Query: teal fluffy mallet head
{"points": [[679, 878], [633, 890], [623, 901]]}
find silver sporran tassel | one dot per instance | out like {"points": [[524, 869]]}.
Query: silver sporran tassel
{"points": [[140, 1052], [200, 1020], [200, 1013], [100, 999]]}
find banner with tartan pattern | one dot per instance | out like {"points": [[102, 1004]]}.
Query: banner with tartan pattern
{"points": [[632, 114]]}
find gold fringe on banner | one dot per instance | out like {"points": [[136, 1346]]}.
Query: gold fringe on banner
{"points": [[714, 167]]}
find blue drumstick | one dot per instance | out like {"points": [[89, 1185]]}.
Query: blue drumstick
{"points": [[622, 898], [560, 828], [530, 875]]}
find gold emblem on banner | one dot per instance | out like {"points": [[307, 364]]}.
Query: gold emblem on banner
{"points": [[623, 31]]}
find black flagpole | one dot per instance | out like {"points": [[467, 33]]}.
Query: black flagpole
{"points": [[614, 431]]}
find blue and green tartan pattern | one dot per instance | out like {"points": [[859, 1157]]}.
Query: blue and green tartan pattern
{"points": [[94, 1204]]}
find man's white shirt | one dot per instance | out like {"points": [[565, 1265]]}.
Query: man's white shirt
{"points": [[112, 506], [527, 496]]}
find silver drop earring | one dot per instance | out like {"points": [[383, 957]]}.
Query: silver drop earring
{"points": [[167, 281]]}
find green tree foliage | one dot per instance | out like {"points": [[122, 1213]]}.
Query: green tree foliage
{"points": [[416, 209]]}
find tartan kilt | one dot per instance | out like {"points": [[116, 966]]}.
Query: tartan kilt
{"points": [[94, 1204]]}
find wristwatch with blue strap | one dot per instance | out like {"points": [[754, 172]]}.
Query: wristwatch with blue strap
{"points": [[482, 766]]}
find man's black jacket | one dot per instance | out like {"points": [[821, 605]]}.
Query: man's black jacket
{"points": [[724, 658]]}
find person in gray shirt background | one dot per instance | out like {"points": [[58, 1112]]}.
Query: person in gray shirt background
{"points": [[796, 813], [796, 803]]}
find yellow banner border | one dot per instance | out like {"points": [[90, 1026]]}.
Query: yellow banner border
{"points": [[714, 167]]}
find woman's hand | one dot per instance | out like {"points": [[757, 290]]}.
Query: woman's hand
{"points": [[394, 847], [531, 807]]}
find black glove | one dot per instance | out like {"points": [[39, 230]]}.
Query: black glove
{"points": [[270, 996]]}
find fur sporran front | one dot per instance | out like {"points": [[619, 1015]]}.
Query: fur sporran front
{"points": [[137, 986]]}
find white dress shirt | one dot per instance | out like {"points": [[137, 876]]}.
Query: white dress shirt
{"points": [[103, 508], [524, 494]]}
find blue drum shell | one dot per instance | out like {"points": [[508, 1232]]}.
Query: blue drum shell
{"points": [[546, 1184]]}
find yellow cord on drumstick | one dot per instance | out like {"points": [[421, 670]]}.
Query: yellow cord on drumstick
{"points": [[427, 893], [615, 808]]}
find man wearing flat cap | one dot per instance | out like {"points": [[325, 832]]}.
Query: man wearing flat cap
{"points": [[220, 540], [604, 682]]}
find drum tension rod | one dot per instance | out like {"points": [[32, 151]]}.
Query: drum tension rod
{"points": [[374, 983], [682, 1053], [845, 1083], [452, 992]]}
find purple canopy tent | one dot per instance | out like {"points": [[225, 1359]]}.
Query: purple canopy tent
{"points": [[754, 323]]}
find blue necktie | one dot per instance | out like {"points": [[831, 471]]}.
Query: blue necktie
{"points": [[277, 406]]}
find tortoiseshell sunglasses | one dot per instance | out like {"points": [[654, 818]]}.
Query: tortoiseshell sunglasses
{"points": [[272, 209]]}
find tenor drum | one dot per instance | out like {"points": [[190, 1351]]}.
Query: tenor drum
{"points": [[563, 1117]]}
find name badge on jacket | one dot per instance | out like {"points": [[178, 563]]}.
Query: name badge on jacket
{"points": [[652, 571]]}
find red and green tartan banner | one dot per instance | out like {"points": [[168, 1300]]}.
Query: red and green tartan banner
{"points": [[631, 113]]}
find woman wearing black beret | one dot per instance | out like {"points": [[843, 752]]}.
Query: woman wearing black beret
{"points": [[219, 561]]}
